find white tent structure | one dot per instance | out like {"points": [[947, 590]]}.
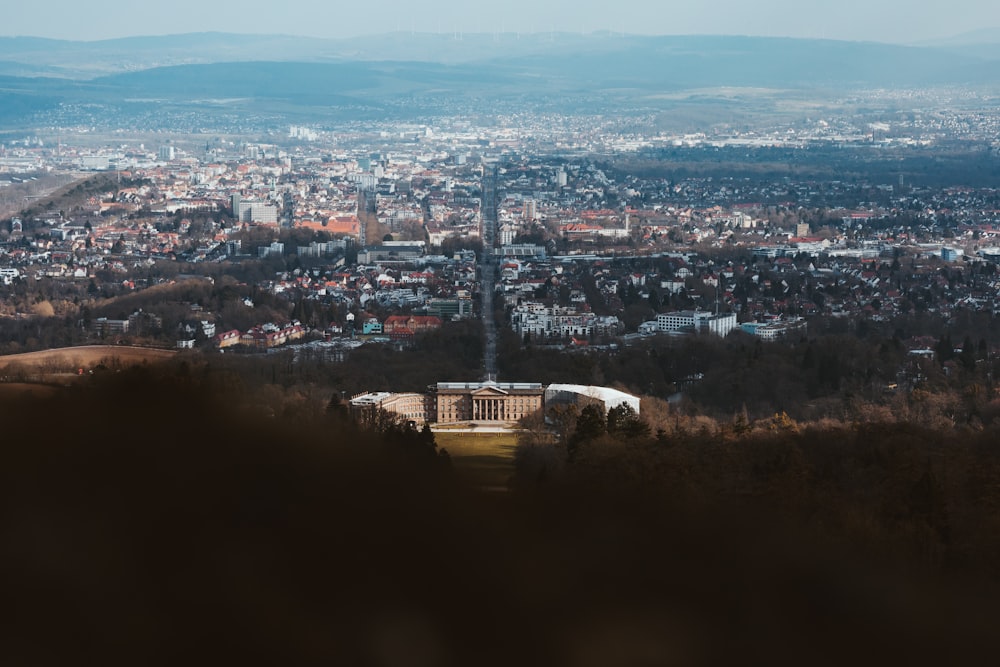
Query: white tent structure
{"points": [[578, 393]]}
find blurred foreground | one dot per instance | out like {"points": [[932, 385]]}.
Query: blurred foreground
{"points": [[145, 520]]}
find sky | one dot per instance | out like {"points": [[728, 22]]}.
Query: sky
{"points": [[894, 21]]}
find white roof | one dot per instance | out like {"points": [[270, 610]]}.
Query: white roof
{"points": [[373, 398], [610, 397]]}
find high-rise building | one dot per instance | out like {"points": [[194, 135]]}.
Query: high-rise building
{"points": [[530, 212], [261, 212]]}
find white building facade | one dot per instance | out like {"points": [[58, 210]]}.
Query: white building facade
{"points": [[691, 321]]}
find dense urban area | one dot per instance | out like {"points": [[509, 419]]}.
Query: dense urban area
{"points": [[602, 244]]}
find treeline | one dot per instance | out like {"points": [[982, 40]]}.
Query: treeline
{"points": [[60, 314], [298, 384], [451, 353], [835, 376], [29, 334], [182, 522], [971, 166], [223, 297]]}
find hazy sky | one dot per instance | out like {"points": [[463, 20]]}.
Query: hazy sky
{"points": [[896, 21]]}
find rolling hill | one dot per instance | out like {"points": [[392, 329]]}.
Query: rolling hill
{"points": [[372, 73]]}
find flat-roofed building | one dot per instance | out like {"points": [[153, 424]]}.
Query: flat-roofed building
{"points": [[452, 308], [398, 252], [104, 326], [697, 320], [775, 330]]}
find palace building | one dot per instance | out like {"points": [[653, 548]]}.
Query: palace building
{"points": [[454, 402], [487, 401], [410, 406]]}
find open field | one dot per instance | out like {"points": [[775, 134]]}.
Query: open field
{"points": [[85, 356], [486, 458]]}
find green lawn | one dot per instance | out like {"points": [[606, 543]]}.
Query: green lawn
{"points": [[487, 459]]}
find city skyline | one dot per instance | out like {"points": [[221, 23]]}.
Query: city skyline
{"points": [[881, 20]]}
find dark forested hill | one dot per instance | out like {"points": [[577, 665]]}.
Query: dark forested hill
{"points": [[154, 518]]}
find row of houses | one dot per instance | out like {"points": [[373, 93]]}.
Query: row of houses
{"points": [[260, 337]]}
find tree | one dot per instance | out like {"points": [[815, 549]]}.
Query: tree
{"points": [[381, 421], [427, 437], [533, 431], [624, 423], [590, 425], [563, 418], [945, 349], [336, 409], [968, 355], [654, 299]]}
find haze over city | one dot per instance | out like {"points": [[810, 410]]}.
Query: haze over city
{"points": [[890, 21]]}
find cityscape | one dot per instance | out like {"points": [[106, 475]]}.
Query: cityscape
{"points": [[474, 348], [380, 245]]}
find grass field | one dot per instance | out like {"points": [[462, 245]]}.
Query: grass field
{"points": [[85, 356], [487, 459]]}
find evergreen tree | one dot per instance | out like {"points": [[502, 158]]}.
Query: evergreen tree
{"points": [[968, 356], [624, 423]]}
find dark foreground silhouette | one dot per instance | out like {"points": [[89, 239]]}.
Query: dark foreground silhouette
{"points": [[151, 521]]}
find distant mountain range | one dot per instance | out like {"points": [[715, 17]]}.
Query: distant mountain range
{"points": [[36, 73], [983, 44], [34, 56]]}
